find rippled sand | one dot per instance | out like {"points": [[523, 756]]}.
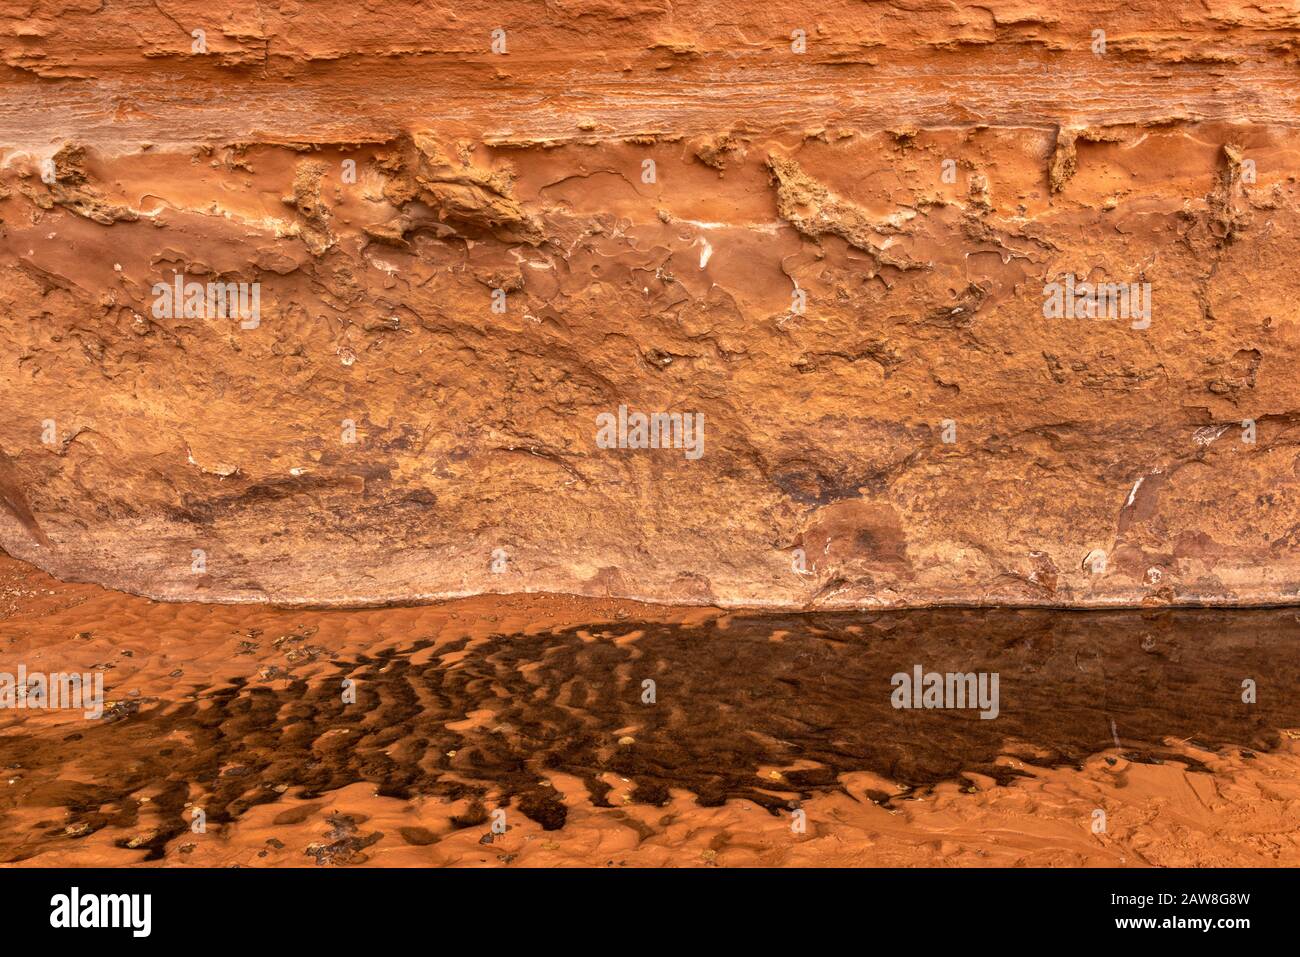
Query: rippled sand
{"points": [[770, 740]]}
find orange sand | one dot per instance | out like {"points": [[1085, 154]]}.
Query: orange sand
{"points": [[1245, 812]]}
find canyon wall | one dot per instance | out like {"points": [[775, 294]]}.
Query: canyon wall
{"points": [[952, 303]]}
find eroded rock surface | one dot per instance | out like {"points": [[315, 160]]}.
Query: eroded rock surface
{"points": [[457, 264]]}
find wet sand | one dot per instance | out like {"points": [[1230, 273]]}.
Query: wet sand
{"points": [[770, 739]]}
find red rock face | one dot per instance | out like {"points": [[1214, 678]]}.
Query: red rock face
{"points": [[938, 303]]}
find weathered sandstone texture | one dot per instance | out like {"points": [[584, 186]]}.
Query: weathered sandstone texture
{"points": [[842, 258]]}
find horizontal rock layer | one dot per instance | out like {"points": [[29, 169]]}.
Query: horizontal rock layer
{"points": [[855, 265]]}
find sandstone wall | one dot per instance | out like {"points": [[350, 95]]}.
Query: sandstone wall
{"points": [[839, 257]]}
